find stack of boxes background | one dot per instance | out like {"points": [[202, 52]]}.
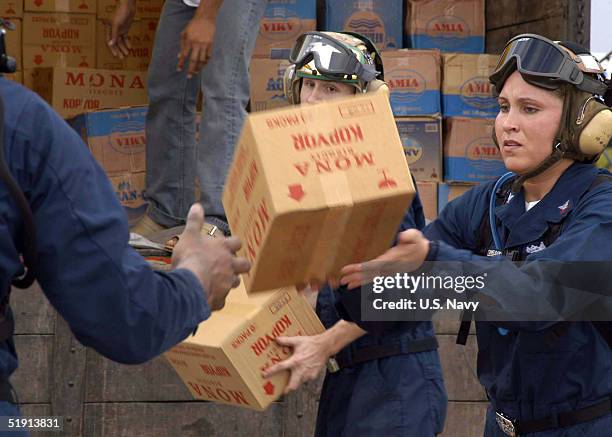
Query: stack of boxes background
{"points": [[414, 78], [457, 28], [283, 22], [12, 10], [440, 94], [63, 56]]}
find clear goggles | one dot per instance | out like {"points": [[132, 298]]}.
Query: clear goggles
{"points": [[546, 64], [331, 58]]}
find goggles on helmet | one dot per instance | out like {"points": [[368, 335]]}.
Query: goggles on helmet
{"points": [[331, 58], [546, 64]]}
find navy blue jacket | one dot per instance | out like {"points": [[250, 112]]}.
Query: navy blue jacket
{"points": [[525, 375], [110, 297]]}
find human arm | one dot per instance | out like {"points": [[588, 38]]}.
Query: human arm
{"points": [[110, 297], [310, 353], [197, 37], [558, 283], [117, 34]]}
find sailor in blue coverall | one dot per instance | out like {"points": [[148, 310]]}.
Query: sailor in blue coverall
{"points": [[542, 378], [383, 378], [112, 300]]}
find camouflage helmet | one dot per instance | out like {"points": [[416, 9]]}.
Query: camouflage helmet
{"points": [[358, 46]]}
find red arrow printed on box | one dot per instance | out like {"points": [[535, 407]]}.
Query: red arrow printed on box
{"points": [[296, 192], [269, 388]]}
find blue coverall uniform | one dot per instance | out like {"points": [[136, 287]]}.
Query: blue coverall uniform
{"points": [[525, 376], [401, 395], [111, 299]]}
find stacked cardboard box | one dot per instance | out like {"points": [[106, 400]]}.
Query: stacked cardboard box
{"points": [[447, 25], [428, 193], [57, 45], [422, 142], [470, 155], [11, 8], [283, 22], [72, 6], [141, 36], [72, 91], [222, 362], [267, 84], [469, 105], [457, 28], [59, 40], [414, 79], [116, 138], [466, 90], [144, 9], [12, 11], [379, 20], [449, 192]]}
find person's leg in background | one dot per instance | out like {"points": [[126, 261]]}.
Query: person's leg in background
{"points": [[170, 126], [225, 86]]}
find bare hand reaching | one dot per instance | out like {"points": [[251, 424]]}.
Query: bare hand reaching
{"points": [[212, 260], [196, 44], [117, 34]]}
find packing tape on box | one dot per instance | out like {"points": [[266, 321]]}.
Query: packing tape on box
{"points": [[336, 190], [338, 197]]}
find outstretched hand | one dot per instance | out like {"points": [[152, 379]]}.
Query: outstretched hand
{"points": [[411, 250], [212, 260]]}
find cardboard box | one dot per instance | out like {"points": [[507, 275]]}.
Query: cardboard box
{"points": [[466, 90], [16, 76], [130, 189], [313, 188], [144, 9], [223, 361], [379, 20], [422, 142], [11, 8], [116, 138], [142, 35], [282, 23], [414, 79], [72, 91], [449, 192], [59, 40], [28, 78], [12, 40], [428, 193], [449, 25], [74, 6], [470, 155], [267, 84]]}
